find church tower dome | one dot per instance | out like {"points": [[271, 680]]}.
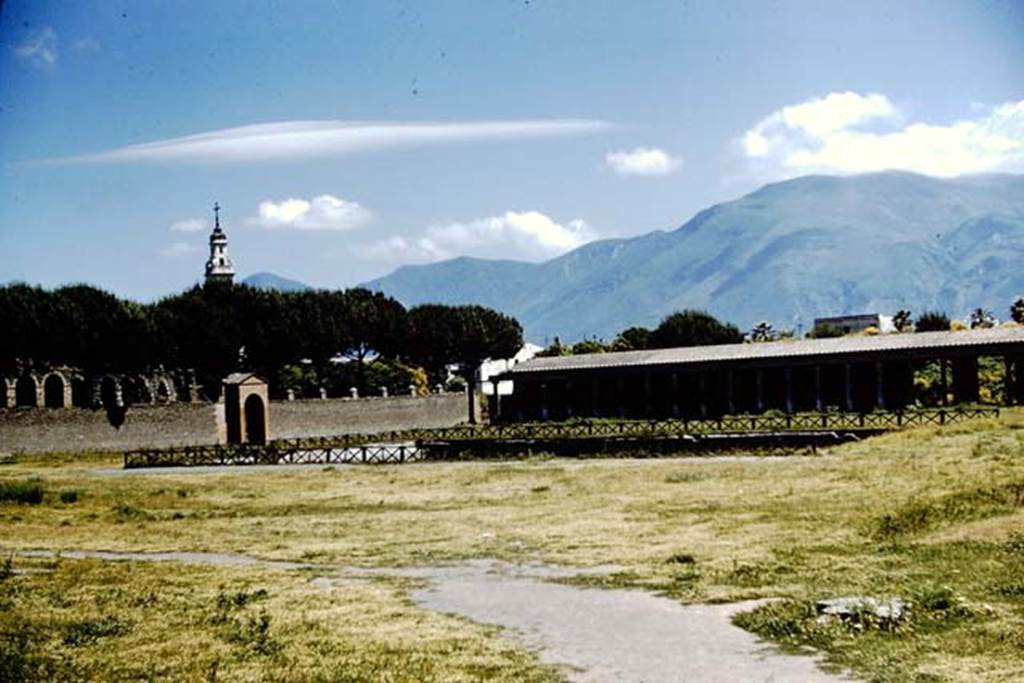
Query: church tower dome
{"points": [[219, 267]]}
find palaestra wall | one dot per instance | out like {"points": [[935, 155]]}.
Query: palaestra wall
{"points": [[41, 430]]}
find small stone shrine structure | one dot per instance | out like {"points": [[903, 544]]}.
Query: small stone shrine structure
{"points": [[244, 418]]}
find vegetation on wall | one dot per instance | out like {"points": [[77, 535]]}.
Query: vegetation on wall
{"points": [[299, 340]]}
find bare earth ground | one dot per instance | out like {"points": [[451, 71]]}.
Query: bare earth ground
{"points": [[934, 515]]}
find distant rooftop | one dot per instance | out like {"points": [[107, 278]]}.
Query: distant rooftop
{"points": [[997, 338]]}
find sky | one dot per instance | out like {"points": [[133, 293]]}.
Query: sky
{"points": [[345, 139]]}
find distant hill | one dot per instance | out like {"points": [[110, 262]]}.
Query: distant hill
{"points": [[271, 281], [811, 246]]}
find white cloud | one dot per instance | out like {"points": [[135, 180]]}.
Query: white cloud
{"points": [[86, 44], [307, 139], [190, 225], [324, 212], [644, 161], [528, 235], [853, 133], [181, 249], [39, 48]]}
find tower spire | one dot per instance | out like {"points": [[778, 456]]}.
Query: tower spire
{"points": [[219, 267]]}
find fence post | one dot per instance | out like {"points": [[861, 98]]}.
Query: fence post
{"points": [[942, 416]]}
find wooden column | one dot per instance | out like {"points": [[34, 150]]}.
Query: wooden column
{"points": [[879, 385], [620, 393], [543, 401], [675, 394], [703, 390], [819, 404], [648, 406], [730, 402], [848, 386], [496, 409], [943, 382], [570, 399], [759, 386], [788, 373], [1008, 381]]}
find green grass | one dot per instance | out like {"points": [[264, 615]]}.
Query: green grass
{"points": [[933, 515], [27, 492]]}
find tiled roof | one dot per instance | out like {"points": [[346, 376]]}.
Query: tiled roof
{"points": [[964, 339], [239, 377]]}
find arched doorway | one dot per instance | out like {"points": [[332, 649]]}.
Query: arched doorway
{"points": [[163, 391], [26, 391], [53, 391], [255, 419]]}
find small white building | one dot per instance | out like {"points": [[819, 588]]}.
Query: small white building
{"points": [[490, 368], [854, 324]]}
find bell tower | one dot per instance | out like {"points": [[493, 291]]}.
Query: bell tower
{"points": [[219, 267]]}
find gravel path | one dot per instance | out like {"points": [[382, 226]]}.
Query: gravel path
{"points": [[598, 635]]}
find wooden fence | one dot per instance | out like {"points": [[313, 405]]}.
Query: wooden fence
{"points": [[403, 446]]}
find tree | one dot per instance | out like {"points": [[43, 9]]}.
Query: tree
{"points": [[556, 348], [903, 321], [824, 331], [632, 339], [461, 335], [693, 328], [373, 323], [932, 321], [762, 332], [982, 318], [1017, 311], [589, 346]]}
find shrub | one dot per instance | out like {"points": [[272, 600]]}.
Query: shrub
{"points": [[69, 496], [28, 492], [957, 326], [88, 631], [932, 321]]}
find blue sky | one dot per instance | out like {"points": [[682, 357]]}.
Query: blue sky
{"points": [[344, 139]]}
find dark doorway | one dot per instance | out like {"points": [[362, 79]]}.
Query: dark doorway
{"points": [[109, 392], [80, 395], [255, 419], [53, 391], [25, 392]]}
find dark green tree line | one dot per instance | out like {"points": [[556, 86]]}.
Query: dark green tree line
{"points": [[218, 328]]}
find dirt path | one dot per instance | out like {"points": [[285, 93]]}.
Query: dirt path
{"points": [[599, 635]]}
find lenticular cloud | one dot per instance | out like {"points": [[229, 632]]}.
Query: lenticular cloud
{"points": [[308, 139]]}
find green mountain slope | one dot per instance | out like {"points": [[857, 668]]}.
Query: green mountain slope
{"points": [[811, 246]]}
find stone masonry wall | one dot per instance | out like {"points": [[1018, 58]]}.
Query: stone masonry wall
{"points": [[292, 419], [36, 430], [40, 430]]}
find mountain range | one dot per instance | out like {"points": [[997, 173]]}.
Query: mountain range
{"points": [[787, 253], [272, 281]]}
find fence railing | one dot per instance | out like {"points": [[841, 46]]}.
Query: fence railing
{"points": [[403, 445]]}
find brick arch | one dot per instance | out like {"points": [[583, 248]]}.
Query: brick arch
{"points": [[26, 391], [109, 392], [163, 389], [56, 390], [8, 395]]}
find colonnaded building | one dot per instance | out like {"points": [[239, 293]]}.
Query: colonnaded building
{"points": [[846, 373]]}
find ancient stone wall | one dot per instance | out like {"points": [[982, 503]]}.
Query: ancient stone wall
{"points": [[292, 419], [177, 424], [36, 430]]}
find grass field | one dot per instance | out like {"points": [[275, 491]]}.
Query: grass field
{"points": [[932, 515]]}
